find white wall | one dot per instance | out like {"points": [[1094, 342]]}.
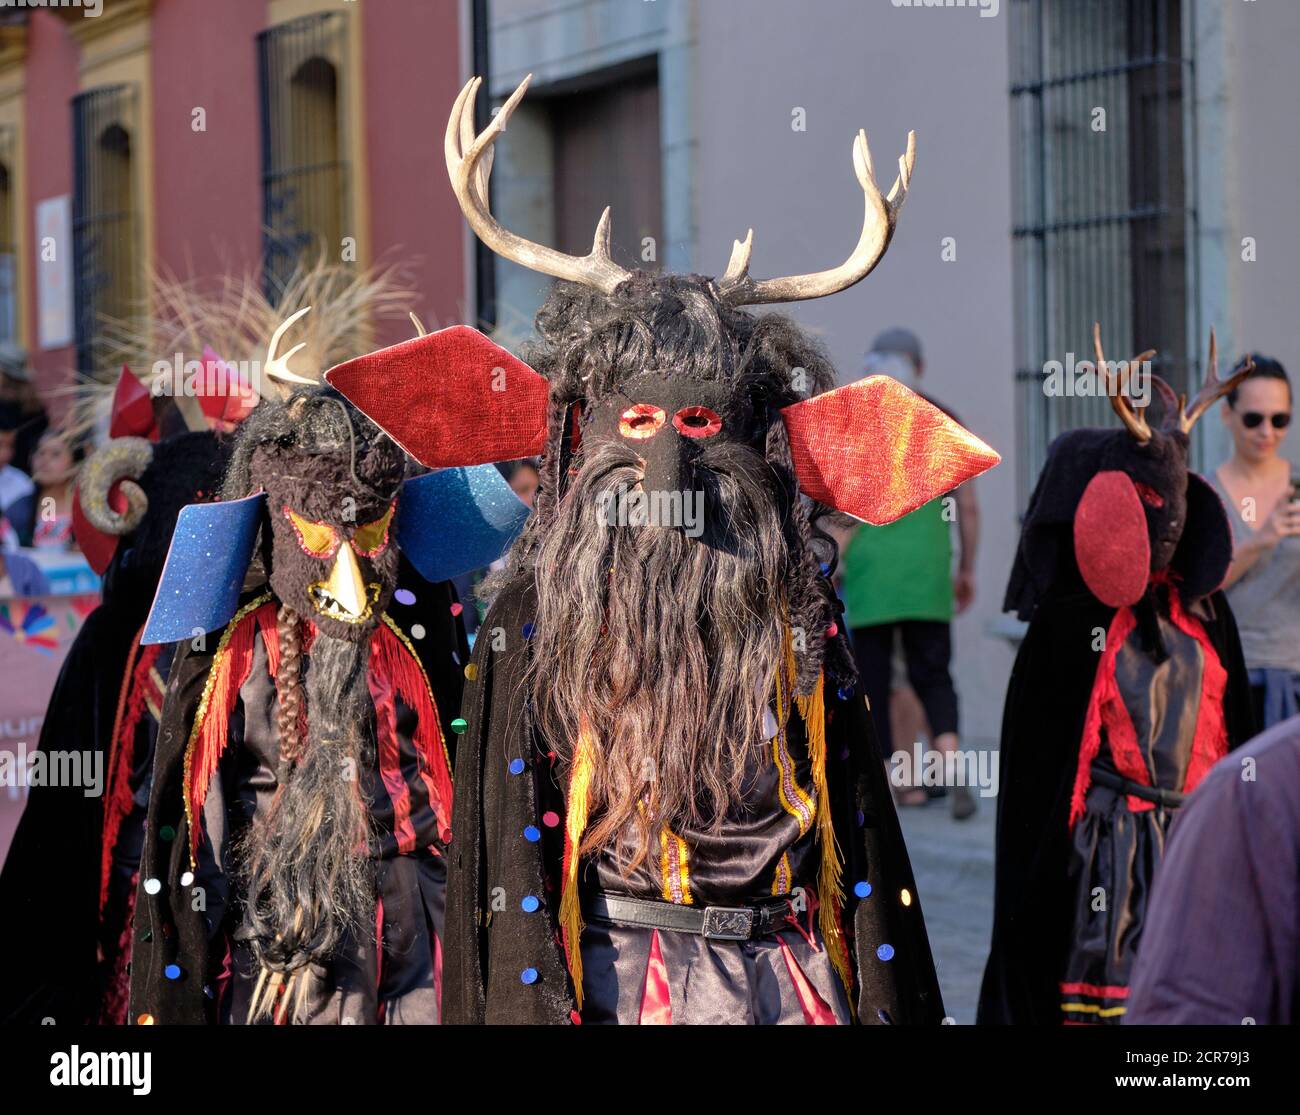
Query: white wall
{"points": [[943, 73]]}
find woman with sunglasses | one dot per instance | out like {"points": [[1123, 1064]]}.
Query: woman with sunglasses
{"points": [[1261, 491]]}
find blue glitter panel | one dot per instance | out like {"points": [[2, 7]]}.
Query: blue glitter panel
{"points": [[457, 519], [205, 569]]}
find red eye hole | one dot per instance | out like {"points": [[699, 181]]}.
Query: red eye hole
{"points": [[1149, 495], [697, 422], [641, 420]]}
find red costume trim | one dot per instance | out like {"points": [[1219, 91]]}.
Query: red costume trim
{"points": [[656, 1006], [131, 704], [1106, 709]]}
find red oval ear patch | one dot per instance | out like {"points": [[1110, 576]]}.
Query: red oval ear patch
{"points": [[1111, 541]]}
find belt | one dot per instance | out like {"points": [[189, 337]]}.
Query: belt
{"points": [[1170, 799], [719, 923]]}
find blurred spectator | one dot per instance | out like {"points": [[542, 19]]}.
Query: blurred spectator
{"points": [[1221, 946], [20, 576], [1262, 496], [897, 581], [54, 470], [17, 492], [524, 478], [18, 391]]}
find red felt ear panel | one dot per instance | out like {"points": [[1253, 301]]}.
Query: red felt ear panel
{"points": [[132, 413], [876, 450], [1111, 543], [450, 398]]}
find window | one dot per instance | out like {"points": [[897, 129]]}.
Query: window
{"points": [[1101, 204], [305, 182], [105, 222]]}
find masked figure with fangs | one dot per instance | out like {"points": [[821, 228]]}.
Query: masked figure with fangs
{"points": [[294, 860], [1128, 687], [670, 808]]}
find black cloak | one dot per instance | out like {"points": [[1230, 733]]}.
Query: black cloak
{"points": [[490, 939], [50, 885]]}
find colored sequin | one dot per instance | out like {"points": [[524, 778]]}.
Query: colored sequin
{"points": [[862, 890], [459, 725], [885, 952], [172, 971], [528, 975], [471, 672], [152, 886], [417, 631], [516, 766], [532, 834], [404, 596], [167, 833], [457, 608], [550, 818], [530, 903]]}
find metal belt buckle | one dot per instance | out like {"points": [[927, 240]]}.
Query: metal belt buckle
{"points": [[728, 923]]}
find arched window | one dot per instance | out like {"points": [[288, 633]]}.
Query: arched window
{"points": [[304, 172], [108, 271]]}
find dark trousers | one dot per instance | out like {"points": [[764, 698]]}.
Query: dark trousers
{"points": [[927, 650]]}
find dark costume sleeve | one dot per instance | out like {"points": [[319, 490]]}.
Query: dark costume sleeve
{"points": [[49, 889], [1222, 942], [491, 939], [170, 933], [1042, 727]]}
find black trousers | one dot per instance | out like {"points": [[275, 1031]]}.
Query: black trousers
{"points": [[927, 650]]}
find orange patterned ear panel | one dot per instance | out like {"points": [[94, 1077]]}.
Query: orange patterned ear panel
{"points": [[876, 450], [372, 539], [318, 540]]}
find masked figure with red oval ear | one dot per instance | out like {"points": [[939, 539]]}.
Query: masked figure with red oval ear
{"points": [[1128, 687], [294, 866], [670, 809]]}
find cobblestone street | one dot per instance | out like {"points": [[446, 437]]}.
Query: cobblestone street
{"points": [[953, 863]]}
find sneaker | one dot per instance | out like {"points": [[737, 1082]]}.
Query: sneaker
{"points": [[963, 804]]}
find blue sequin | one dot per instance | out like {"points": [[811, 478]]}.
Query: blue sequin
{"points": [[825, 568], [845, 692], [528, 630], [885, 952], [528, 975], [172, 971], [532, 834], [862, 890], [861, 818], [530, 904], [404, 596], [516, 766]]}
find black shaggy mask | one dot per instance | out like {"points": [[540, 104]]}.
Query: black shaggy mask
{"points": [[1117, 507], [331, 480]]}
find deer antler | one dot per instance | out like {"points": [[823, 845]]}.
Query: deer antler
{"points": [[1212, 389], [277, 367], [739, 289], [1136, 423], [469, 162]]}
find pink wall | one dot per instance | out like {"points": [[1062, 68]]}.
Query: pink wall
{"points": [[207, 185], [51, 84], [411, 63]]}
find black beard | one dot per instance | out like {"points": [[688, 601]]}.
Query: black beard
{"points": [[675, 690], [306, 860]]}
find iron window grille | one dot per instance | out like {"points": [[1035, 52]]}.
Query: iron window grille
{"points": [[305, 177], [105, 222], [1104, 221]]}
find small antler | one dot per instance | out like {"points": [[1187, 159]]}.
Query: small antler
{"points": [[469, 163], [1212, 389], [1136, 423], [881, 217], [277, 367]]}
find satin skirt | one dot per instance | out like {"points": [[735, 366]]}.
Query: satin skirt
{"points": [[1113, 864], [635, 976]]}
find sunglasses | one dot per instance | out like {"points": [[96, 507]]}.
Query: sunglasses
{"points": [[1252, 418]]}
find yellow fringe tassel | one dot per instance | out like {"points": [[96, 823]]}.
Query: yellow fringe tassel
{"points": [[575, 824], [830, 889]]}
